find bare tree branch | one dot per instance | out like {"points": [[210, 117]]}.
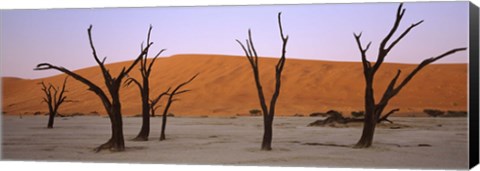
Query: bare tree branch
{"points": [[183, 91], [125, 72], [385, 117], [149, 70], [250, 59], [365, 62], [153, 103], [183, 84], [423, 64], [131, 80], [105, 72], [92, 87], [383, 50], [250, 45]]}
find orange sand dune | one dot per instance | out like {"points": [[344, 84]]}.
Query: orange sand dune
{"points": [[225, 87]]}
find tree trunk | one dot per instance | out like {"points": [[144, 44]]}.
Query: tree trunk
{"points": [[370, 120], [145, 130], [368, 131], [116, 142], [117, 133], [117, 124], [51, 116], [164, 121], [50, 120], [267, 135], [164, 125], [152, 111]]}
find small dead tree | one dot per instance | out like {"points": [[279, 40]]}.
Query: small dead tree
{"points": [[337, 117], [170, 100], [54, 97], [112, 104], [268, 114], [144, 87], [374, 110]]}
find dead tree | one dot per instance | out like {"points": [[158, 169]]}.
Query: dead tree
{"points": [[374, 110], [112, 104], [54, 97], [153, 103], [170, 100], [145, 70], [268, 114], [337, 117]]}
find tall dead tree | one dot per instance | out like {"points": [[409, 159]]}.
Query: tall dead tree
{"points": [[144, 87], [112, 104], [170, 100], [374, 110], [268, 114], [54, 97]]}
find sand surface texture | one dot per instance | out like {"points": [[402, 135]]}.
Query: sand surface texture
{"points": [[419, 143], [225, 87]]}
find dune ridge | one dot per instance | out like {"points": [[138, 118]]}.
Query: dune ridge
{"points": [[225, 87]]}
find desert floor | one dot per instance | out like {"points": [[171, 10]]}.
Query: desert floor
{"points": [[410, 143]]}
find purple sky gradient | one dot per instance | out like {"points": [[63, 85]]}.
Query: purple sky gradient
{"points": [[318, 32]]}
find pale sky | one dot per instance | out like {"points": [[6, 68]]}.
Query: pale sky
{"points": [[317, 32]]}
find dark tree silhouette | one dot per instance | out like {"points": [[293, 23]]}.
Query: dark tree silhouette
{"points": [[337, 117], [144, 88], [170, 100], [268, 114], [112, 104], [374, 110], [54, 97]]}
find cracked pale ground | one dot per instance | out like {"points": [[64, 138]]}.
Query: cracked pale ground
{"points": [[419, 142]]}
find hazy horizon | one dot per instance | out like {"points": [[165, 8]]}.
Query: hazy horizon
{"points": [[317, 32]]}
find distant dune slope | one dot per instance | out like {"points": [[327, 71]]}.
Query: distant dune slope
{"points": [[225, 87]]}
